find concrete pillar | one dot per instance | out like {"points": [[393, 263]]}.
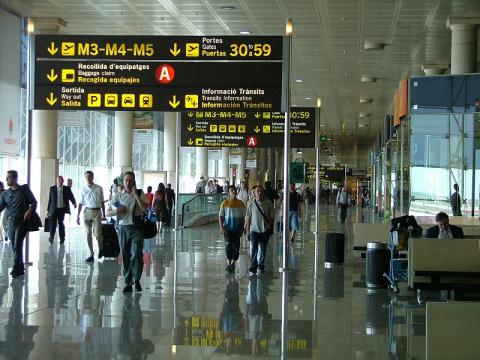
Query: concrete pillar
{"points": [[464, 44], [123, 142], [44, 162], [263, 164], [170, 146], [224, 164], [270, 164], [434, 69], [201, 163], [241, 167]]}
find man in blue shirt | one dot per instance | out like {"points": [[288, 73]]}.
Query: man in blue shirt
{"points": [[21, 203]]}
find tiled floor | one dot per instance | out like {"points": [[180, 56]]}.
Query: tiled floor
{"points": [[191, 309]]}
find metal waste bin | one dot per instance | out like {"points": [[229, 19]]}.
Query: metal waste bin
{"points": [[378, 263], [334, 249]]}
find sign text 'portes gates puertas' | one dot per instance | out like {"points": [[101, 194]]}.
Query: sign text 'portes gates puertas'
{"points": [[163, 73], [247, 129]]}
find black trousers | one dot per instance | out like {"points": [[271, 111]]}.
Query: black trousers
{"points": [[168, 221], [17, 230], [58, 216], [232, 245]]}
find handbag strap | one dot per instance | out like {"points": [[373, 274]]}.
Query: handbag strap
{"points": [[261, 212]]}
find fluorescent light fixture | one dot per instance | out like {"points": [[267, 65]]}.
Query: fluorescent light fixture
{"points": [[228, 8], [245, 32], [30, 26], [294, 105], [299, 81], [289, 27], [370, 45], [308, 98], [368, 79]]}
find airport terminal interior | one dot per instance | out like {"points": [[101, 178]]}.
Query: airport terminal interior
{"points": [[380, 102]]}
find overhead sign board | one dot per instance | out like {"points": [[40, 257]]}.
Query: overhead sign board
{"points": [[332, 173], [158, 73], [247, 129], [159, 47]]}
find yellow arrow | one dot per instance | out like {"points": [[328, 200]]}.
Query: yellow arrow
{"points": [[190, 127], [52, 76], [257, 129], [51, 99], [190, 141], [174, 103], [257, 115], [190, 114], [175, 51], [52, 49]]}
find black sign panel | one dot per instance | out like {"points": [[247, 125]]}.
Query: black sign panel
{"points": [[163, 73], [158, 74], [155, 99], [332, 173], [247, 129], [159, 47]]}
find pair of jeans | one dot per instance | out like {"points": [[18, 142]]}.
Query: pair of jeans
{"points": [[59, 216], [258, 240], [17, 230], [232, 244], [131, 246]]}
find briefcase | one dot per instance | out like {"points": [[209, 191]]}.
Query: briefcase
{"points": [[46, 226]]}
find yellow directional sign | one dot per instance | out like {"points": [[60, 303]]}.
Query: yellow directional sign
{"points": [[190, 142], [266, 115], [266, 129], [257, 129], [68, 49], [174, 102], [223, 128], [175, 51], [94, 100], [257, 115], [52, 76], [199, 141], [52, 49], [128, 100], [190, 127], [190, 114], [111, 100], [146, 100], [192, 49], [241, 128], [213, 128], [68, 75], [232, 128], [51, 99], [191, 101]]}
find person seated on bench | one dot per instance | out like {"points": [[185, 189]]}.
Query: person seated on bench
{"points": [[443, 229]]}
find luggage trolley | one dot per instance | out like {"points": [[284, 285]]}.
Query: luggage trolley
{"points": [[402, 228]]}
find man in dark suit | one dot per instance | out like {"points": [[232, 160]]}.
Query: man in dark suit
{"points": [[58, 206], [170, 203], [443, 229]]}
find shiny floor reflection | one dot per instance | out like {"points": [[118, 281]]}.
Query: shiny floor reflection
{"points": [[191, 308]]}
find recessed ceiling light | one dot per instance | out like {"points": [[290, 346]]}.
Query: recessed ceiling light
{"points": [[308, 98], [294, 105], [228, 8], [245, 32], [370, 45], [366, 79], [365, 100], [361, 125], [299, 80], [363, 115]]}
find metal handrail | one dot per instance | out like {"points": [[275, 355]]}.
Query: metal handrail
{"points": [[204, 204]]}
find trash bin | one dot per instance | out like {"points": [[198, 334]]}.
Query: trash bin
{"points": [[334, 249], [378, 262]]}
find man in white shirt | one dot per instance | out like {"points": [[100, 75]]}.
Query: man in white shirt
{"points": [[93, 201], [127, 204], [258, 222], [342, 203]]}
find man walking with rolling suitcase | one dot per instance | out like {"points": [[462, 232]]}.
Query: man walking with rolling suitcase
{"points": [[128, 205]]}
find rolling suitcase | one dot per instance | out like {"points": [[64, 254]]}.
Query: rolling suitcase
{"points": [[111, 247]]}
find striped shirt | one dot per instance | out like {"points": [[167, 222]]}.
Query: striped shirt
{"points": [[233, 212]]}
